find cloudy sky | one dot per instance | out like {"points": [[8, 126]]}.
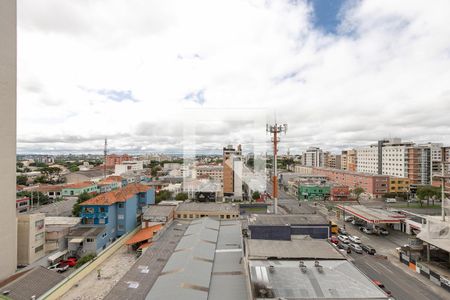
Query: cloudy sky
{"points": [[170, 75]]}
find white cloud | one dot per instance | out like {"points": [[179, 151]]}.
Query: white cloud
{"points": [[385, 74]]}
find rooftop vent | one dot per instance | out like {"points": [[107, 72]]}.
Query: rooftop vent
{"points": [[318, 266], [302, 266], [271, 269]]}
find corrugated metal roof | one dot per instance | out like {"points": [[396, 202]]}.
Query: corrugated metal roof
{"points": [[311, 219]]}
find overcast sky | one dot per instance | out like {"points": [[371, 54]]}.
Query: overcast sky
{"points": [[169, 75]]}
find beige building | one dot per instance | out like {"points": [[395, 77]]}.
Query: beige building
{"points": [[232, 171], [8, 69], [195, 210], [30, 238]]}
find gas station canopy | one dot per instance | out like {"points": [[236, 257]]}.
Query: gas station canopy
{"points": [[372, 215]]}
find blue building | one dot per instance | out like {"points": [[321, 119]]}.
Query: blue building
{"points": [[118, 211]]}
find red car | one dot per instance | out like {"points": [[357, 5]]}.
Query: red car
{"points": [[381, 286], [71, 262], [334, 240]]}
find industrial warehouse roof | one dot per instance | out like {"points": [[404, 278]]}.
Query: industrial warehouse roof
{"points": [[311, 219], [372, 215], [204, 265], [158, 211], [208, 207], [334, 279], [35, 282], [120, 195], [298, 249]]}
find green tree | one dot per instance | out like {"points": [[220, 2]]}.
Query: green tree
{"points": [[76, 209], [181, 196], [428, 192], [256, 195], [21, 180], [74, 168], [358, 191], [163, 195], [19, 164]]}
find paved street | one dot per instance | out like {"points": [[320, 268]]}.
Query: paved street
{"points": [[60, 208], [402, 286], [138, 281]]}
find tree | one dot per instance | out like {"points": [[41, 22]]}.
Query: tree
{"points": [[21, 180], [358, 191], [74, 168], [76, 209], [163, 195], [427, 192], [19, 164], [256, 195], [181, 196]]}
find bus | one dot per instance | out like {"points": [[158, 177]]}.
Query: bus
{"points": [[334, 228]]}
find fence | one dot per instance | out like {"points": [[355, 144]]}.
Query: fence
{"points": [[423, 270]]}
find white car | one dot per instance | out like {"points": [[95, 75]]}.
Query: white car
{"points": [[348, 218], [391, 200], [354, 239], [343, 239]]}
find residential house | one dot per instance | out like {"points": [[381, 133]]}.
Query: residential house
{"points": [[79, 188]]}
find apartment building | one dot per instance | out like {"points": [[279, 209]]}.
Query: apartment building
{"points": [[313, 157], [232, 171], [348, 160], [114, 159], [399, 185], [419, 165], [213, 172], [8, 83], [128, 166], [329, 160], [375, 185], [30, 238]]}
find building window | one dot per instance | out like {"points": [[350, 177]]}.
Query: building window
{"points": [[89, 240], [38, 237], [120, 227], [38, 225], [102, 209], [120, 205], [39, 249], [120, 217], [89, 210], [102, 221], [178, 216], [104, 235], [191, 216], [184, 216]]}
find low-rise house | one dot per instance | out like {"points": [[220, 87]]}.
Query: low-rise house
{"points": [[158, 213], [83, 240], [107, 186], [77, 189], [56, 231], [196, 210], [313, 192], [30, 238], [339, 193], [51, 191], [119, 211]]}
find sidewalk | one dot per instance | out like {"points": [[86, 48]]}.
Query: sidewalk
{"points": [[90, 287]]}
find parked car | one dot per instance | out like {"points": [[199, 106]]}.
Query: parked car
{"points": [[52, 267], [71, 261], [367, 230], [344, 246], [343, 238], [348, 218], [381, 286], [369, 249], [61, 267], [342, 231], [354, 239], [383, 231], [391, 200], [358, 222], [356, 248], [334, 239]]}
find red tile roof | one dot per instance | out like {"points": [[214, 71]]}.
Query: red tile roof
{"points": [[79, 185], [113, 178], [144, 234], [120, 195]]}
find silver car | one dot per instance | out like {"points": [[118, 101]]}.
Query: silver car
{"points": [[356, 248]]}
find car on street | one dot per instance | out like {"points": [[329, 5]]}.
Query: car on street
{"points": [[356, 248], [383, 231], [381, 286], [367, 230], [369, 249], [342, 231], [61, 267], [348, 218], [334, 239], [344, 246], [391, 200], [354, 239], [71, 261], [344, 239], [358, 222]]}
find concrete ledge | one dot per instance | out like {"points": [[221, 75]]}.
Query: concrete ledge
{"points": [[64, 286]]}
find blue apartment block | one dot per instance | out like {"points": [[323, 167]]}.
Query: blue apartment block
{"points": [[118, 211]]}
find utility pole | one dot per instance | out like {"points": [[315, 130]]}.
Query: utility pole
{"points": [[105, 151], [275, 130]]}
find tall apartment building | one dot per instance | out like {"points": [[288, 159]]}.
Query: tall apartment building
{"points": [[313, 157], [232, 171], [30, 238], [435, 158], [348, 160], [329, 160], [419, 165], [8, 68]]}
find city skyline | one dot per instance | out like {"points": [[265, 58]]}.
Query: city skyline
{"points": [[341, 75]]}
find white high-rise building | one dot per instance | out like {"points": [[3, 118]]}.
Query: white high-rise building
{"points": [[8, 223], [313, 157], [367, 160]]}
